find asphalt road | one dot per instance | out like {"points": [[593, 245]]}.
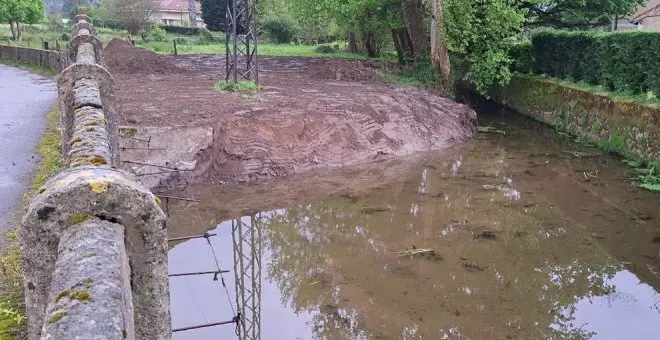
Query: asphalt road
{"points": [[25, 99]]}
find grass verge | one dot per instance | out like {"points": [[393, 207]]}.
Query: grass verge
{"points": [[12, 308], [240, 86], [642, 99]]}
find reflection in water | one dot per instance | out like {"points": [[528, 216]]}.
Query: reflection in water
{"points": [[522, 248]]}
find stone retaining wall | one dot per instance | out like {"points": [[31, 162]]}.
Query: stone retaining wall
{"points": [[93, 241], [48, 59], [632, 130]]}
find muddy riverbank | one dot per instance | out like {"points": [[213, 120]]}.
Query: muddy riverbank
{"points": [[312, 115], [533, 237]]}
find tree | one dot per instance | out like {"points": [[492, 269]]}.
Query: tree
{"points": [[214, 13], [481, 33], [17, 12], [577, 14], [133, 15], [439, 50]]}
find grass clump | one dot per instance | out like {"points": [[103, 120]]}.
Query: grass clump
{"points": [[49, 151], [12, 308], [30, 67], [240, 86], [648, 173], [57, 316]]}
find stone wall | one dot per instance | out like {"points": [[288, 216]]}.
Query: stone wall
{"points": [[93, 241], [44, 58], [632, 130]]}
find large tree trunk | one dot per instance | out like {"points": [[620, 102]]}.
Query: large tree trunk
{"points": [[19, 34], [352, 43], [13, 32], [413, 16], [439, 52], [192, 13], [370, 44]]}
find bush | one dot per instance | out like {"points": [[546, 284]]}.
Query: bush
{"points": [[158, 33], [280, 28], [325, 49], [523, 58], [180, 30], [207, 36], [64, 37], [621, 61]]}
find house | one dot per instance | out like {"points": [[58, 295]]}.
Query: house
{"points": [[175, 13], [648, 17]]}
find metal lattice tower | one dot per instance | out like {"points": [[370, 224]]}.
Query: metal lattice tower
{"points": [[247, 271], [241, 41]]}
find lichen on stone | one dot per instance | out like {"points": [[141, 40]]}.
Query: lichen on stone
{"points": [[62, 294], [157, 199], [98, 160], [98, 186]]}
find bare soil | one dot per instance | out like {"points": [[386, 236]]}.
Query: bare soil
{"points": [[312, 113]]}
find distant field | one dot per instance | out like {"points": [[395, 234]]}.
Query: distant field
{"points": [[33, 35]]}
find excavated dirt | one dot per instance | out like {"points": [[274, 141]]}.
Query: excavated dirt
{"points": [[311, 114]]}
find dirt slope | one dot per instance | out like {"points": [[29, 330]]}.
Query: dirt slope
{"points": [[311, 114]]}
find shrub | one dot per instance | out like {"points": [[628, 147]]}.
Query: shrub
{"points": [[180, 30], [280, 28], [158, 33], [523, 58], [325, 49], [64, 37], [621, 61], [206, 35]]}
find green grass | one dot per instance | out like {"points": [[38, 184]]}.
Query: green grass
{"points": [[642, 99], [264, 49], [12, 308], [648, 173], [240, 86]]}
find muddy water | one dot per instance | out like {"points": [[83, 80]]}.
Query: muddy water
{"points": [[520, 234]]}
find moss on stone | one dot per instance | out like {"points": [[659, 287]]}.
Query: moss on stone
{"points": [[88, 281], [62, 294], [99, 187], [75, 219], [98, 160], [157, 199], [80, 295], [57, 316], [130, 131]]}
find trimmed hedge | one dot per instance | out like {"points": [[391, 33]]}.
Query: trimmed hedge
{"points": [[625, 61], [180, 30]]}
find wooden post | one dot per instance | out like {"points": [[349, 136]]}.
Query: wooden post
{"points": [[45, 45], [175, 51]]}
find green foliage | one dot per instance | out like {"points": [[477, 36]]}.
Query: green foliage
{"points": [[624, 62], [280, 28], [214, 13], [23, 11], [239, 86], [64, 37], [325, 49], [207, 36], [12, 309], [648, 173], [577, 13], [523, 58], [481, 33], [158, 33]]}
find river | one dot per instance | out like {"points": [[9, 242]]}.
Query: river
{"points": [[519, 234]]}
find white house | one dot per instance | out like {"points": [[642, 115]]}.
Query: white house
{"points": [[175, 13]]}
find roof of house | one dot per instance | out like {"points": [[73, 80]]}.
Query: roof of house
{"points": [[178, 5], [650, 9]]}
